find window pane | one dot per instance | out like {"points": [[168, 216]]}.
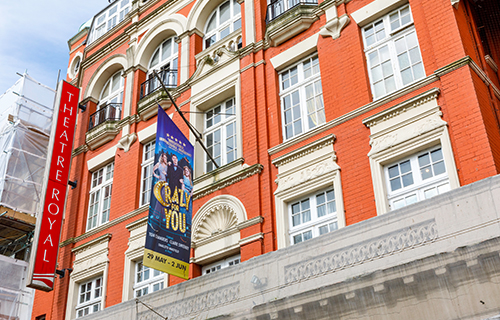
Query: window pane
{"points": [[225, 12], [405, 166], [439, 168], [307, 235], [407, 179], [395, 184], [426, 172]]}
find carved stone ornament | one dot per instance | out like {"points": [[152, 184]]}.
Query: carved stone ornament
{"points": [[126, 141], [219, 218], [397, 137], [333, 27], [306, 174]]}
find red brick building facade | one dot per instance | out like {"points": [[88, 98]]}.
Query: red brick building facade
{"points": [[321, 114]]}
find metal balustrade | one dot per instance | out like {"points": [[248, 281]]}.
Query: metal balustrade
{"points": [[169, 78], [110, 111], [279, 7]]}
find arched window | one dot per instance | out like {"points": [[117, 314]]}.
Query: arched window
{"points": [[164, 61], [110, 101], [225, 19]]}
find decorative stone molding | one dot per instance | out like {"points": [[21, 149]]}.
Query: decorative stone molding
{"points": [[455, 3], [402, 107], [91, 260], [195, 304], [302, 172], [126, 141], [239, 176], [291, 23], [305, 150], [388, 244], [107, 225], [333, 27], [219, 218], [405, 129], [215, 231], [255, 237], [491, 63], [217, 56], [309, 173], [102, 134], [250, 222]]}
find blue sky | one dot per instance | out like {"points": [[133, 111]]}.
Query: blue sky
{"points": [[34, 36]]}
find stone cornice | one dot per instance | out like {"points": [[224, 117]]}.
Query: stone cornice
{"points": [[137, 224], [235, 163], [105, 226], [245, 173], [251, 238], [250, 222], [491, 63], [401, 107], [88, 245], [305, 150]]}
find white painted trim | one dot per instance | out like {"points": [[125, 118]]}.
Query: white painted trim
{"points": [[403, 130], [375, 10], [295, 53], [249, 22], [301, 173], [101, 159], [147, 133]]}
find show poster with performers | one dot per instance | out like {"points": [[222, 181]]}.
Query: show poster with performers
{"points": [[168, 238]]}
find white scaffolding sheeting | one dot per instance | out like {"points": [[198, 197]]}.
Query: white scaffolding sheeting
{"points": [[25, 122], [16, 300]]}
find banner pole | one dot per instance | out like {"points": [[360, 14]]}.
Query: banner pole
{"points": [[185, 120]]}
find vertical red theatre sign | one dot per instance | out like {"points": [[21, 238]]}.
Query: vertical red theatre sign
{"points": [[45, 247]]}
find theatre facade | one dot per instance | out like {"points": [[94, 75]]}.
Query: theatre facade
{"points": [[355, 148]]}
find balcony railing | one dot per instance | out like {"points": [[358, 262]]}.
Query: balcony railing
{"points": [[169, 78], [110, 111], [279, 7]]}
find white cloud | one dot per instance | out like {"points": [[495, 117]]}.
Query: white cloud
{"points": [[34, 36]]}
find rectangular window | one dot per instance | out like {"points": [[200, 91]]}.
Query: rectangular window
{"points": [[312, 216], [221, 134], [418, 177], [148, 155], [221, 264], [392, 52], [147, 280], [301, 96], [100, 196], [89, 297]]}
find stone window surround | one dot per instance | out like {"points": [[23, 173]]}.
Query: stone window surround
{"points": [[404, 129], [133, 254], [216, 229], [91, 261], [295, 180]]}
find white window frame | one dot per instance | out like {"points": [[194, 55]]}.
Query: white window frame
{"points": [[382, 82], [300, 119], [100, 196], [91, 296], [220, 119], [222, 30], [108, 95], [171, 61], [148, 156], [147, 280], [421, 188], [109, 18], [310, 224], [221, 264]]}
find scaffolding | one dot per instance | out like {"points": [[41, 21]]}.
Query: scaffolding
{"points": [[25, 122]]}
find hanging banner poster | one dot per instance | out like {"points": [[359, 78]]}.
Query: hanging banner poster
{"points": [[168, 237]]}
